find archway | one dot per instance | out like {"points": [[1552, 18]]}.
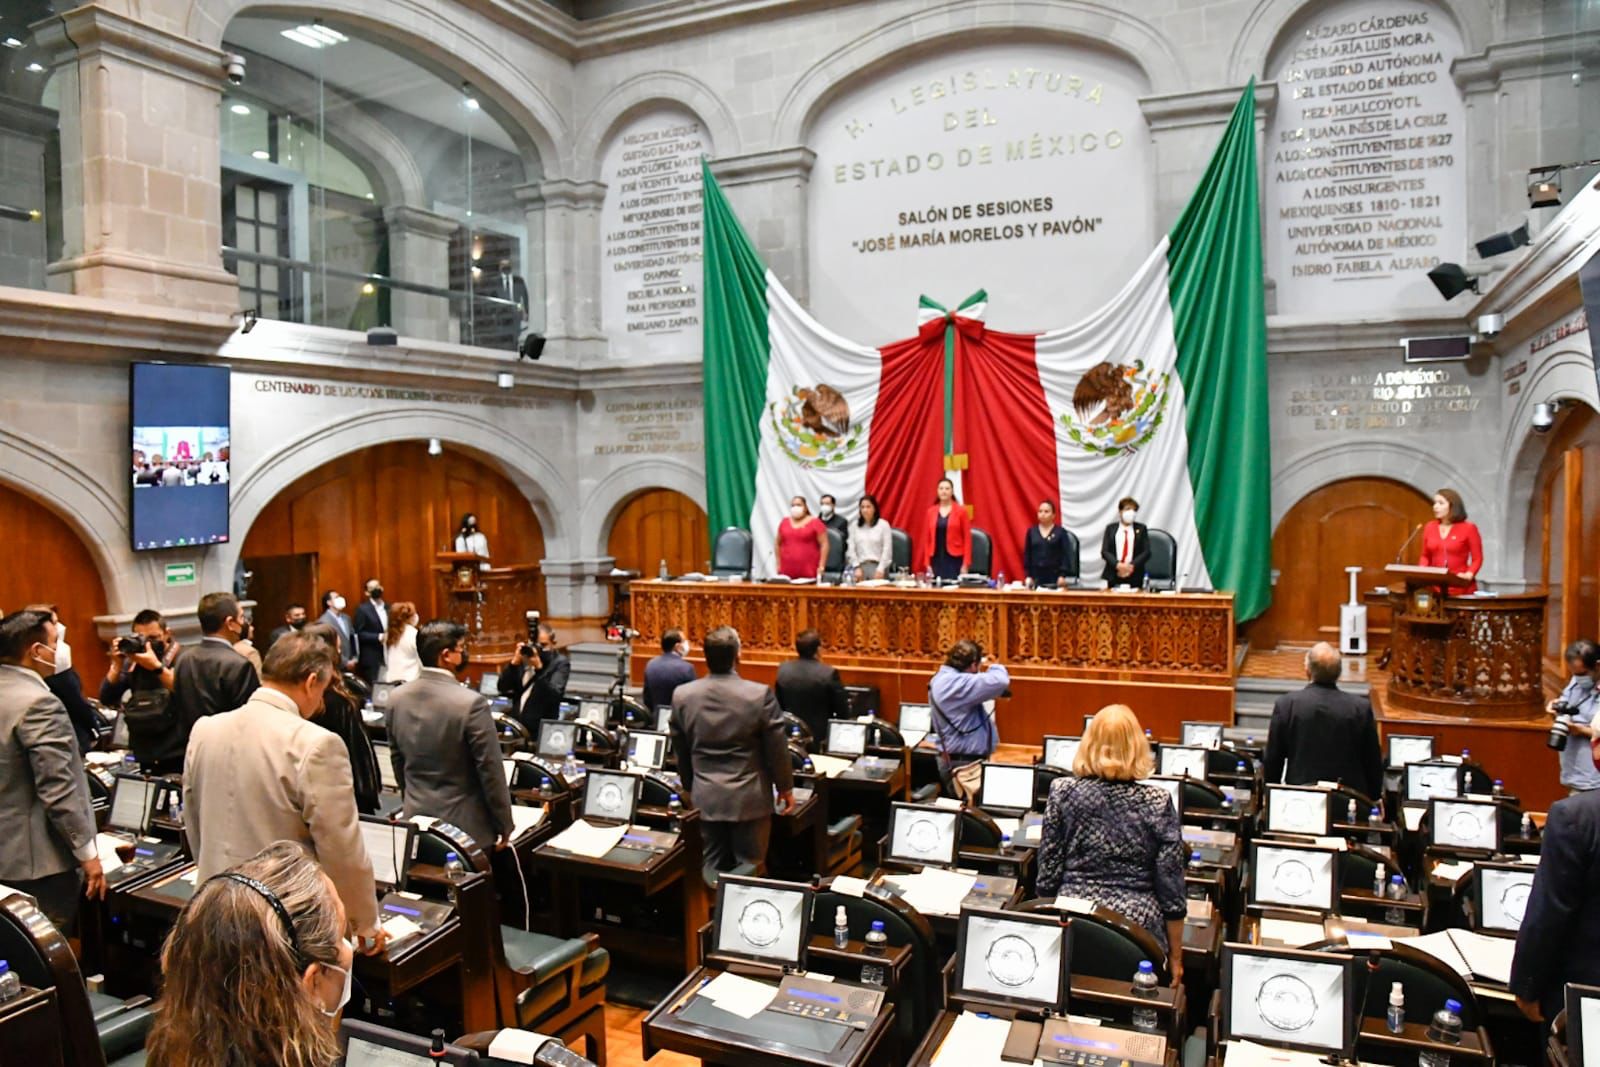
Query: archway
{"points": [[60, 570], [656, 525], [385, 511], [1351, 522]]}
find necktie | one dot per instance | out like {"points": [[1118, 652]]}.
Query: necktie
{"points": [[1127, 536]]}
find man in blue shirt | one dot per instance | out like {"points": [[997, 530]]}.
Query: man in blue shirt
{"points": [[667, 671], [1578, 772], [959, 693]]}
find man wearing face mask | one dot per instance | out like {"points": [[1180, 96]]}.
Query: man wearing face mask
{"points": [[1126, 547], [265, 773], [828, 512], [333, 614], [48, 850], [213, 677], [65, 683], [294, 618], [372, 623], [666, 672], [470, 539], [537, 679], [140, 682], [443, 743]]}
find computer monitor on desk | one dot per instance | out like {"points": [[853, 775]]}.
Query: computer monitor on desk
{"points": [[924, 835], [1285, 875], [1500, 899], [1013, 960], [761, 921], [610, 796], [366, 1045], [916, 722], [1583, 1025], [1203, 734], [1288, 998], [386, 776], [389, 847], [1464, 824], [663, 718], [1424, 781], [647, 748], [1184, 761], [132, 798], [846, 739], [1006, 789], [1060, 751], [555, 739], [1401, 749], [1299, 809], [594, 712]]}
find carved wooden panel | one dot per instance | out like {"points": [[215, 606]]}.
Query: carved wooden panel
{"points": [[1481, 660]]}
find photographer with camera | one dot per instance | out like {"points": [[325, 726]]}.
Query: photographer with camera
{"points": [[537, 679], [1575, 710], [139, 682]]}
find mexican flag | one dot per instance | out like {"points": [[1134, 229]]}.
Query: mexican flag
{"points": [[1160, 395]]}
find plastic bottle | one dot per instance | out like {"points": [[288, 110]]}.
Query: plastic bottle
{"points": [[1241, 770], [1527, 825], [1196, 861], [569, 767], [877, 944], [1397, 887], [1466, 755], [1145, 984], [1446, 1030], [1397, 1008], [454, 869], [661, 571], [1005, 843], [674, 812], [1395, 915], [10, 984], [547, 788], [1499, 789], [1000, 580], [1374, 837], [1350, 812], [1379, 881], [841, 928]]}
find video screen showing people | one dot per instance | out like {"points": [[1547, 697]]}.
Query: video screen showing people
{"points": [[180, 454], [176, 457]]}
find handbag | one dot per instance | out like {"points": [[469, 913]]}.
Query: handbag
{"points": [[963, 781]]}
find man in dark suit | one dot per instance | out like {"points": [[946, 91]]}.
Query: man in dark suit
{"points": [[1559, 941], [443, 743], [212, 677], [333, 614], [48, 849], [294, 618], [809, 689], [828, 512], [1322, 734], [666, 672], [372, 625], [1126, 547], [536, 680], [728, 734]]}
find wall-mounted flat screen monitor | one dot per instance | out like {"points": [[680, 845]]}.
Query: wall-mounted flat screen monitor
{"points": [[181, 451]]}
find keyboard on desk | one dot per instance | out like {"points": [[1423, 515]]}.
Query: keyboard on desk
{"points": [[873, 768], [148, 856], [1088, 1045], [640, 839], [426, 915]]}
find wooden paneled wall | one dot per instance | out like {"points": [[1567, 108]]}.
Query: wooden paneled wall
{"points": [[1353, 522], [58, 570], [1564, 529], [660, 524], [387, 511]]}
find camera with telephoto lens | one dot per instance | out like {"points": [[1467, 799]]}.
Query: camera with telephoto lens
{"points": [[1561, 729], [531, 647], [133, 644]]}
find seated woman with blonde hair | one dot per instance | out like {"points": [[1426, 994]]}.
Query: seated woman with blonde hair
{"points": [[256, 969], [1111, 839]]}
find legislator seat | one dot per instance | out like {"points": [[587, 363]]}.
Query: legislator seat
{"points": [[1074, 556], [982, 552], [1162, 568], [732, 553], [1106, 943], [96, 1030], [513, 735], [900, 549], [833, 566], [1427, 982], [844, 834], [920, 995]]}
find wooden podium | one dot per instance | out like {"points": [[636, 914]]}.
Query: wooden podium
{"points": [[489, 601]]}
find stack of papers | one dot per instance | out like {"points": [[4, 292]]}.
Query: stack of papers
{"points": [[739, 996], [1250, 1054], [1413, 817], [524, 818], [850, 887], [584, 838], [934, 891], [829, 766], [1290, 933], [1469, 953], [1081, 905], [1451, 872], [973, 1039], [948, 803]]}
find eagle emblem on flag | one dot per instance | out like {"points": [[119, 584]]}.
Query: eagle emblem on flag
{"points": [[812, 426], [1117, 408]]}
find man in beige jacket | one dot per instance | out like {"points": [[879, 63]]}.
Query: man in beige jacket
{"points": [[262, 773]]}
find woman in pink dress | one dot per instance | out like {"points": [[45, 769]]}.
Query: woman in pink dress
{"points": [[1451, 541], [802, 542]]}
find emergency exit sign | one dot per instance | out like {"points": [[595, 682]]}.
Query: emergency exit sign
{"points": [[180, 574]]}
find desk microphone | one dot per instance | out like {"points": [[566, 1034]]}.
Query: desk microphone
{"points": [[1407, 543]]}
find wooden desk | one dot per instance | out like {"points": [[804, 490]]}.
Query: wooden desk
{"points": [[855, 792], [1068, 653], [30, 1028], [664, 1028], [928, 1051], [799, 845]]}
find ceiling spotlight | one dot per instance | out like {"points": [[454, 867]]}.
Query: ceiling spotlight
{"points": [[505, 380], [19, 214], [1545, 189], [249, 316], [34, 68], [532, 347], [240, 109], [12, 42], [1544, 415], [434, 447], [1451, 280], [1501, 243], [261, 153]]}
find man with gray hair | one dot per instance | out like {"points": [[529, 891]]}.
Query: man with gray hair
{"points": [[1323, 734]]}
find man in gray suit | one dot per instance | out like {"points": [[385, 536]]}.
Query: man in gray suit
{"points": [[728, 734], [443, 743], [48, 848]]}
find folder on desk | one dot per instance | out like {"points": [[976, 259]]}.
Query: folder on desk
{"points": [[829, 766], [524, 819], [1469, 953], [584, 838]]}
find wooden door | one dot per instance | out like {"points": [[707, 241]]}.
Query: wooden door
{"points": [[1564, 530], [58, 570], [656, 525], [1356, 521]]}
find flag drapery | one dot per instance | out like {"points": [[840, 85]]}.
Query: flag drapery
{"points": [[1161, 395]]}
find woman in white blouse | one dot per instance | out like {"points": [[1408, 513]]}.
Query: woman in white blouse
{"points": [[870, 550], [404, 666]]}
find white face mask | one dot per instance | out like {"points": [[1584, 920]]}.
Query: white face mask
{"points": [[63, 657], [47, 667], [1127, 516], [797, 512], [344, 997], [337, 603], [826, 511]]}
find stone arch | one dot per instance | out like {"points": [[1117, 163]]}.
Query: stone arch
{"points": [[539, 480], [1404, 463], [1269, 20], [657, 87], [608, 497], [426, 33], [1567, 375], [1097, 25], [89, 506]]}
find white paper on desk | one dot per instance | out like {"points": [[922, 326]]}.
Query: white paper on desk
{"points": [[192, 876], [1441, 947], [516, 1046], [399, 928], [1008, 826], [1082, 905], [1033, 831], [1250, 1054], [972, 1040], [739, 996], [1452, 872], [105, 846], [913, 738], [524, 818], [948, 803], [829, 766], [584, 838], [1413, 817], [1289, 932], [1487, 957], [1339, 843], [936, 892], [850, 887]]}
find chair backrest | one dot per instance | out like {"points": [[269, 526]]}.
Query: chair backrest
{"points": [[881, 733], [434, 843], [900, 545], [835, 563], [1074, 558], [1163, 563], [1226, 761], [1357, 866], [1427, 982], [797, 757], [979, 829], [920, 997], [1201, 796], [514, 736], [732, 552], [1106, 943], [982, 552], [41, 958], [656, 791]]}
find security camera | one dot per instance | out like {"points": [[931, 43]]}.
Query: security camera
{"points": [[1491, 324], [235, 68], [1544, 415]]}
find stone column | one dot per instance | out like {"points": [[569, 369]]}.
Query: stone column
{"points": [[532, 201], [419, 251], [572, 266], [140, 175], [770, 192], [570, 589]]}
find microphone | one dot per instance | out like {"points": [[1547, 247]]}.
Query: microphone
{"points": [[1407, 543]]}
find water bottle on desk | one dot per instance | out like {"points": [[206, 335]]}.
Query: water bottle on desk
{"points": [[1527, 825], [1196, 861], [1000, 580], [661, 571], [10, 984], [841, 928], [674, 812], [1396, 916], [1374, 837], [1146, 984], [454, 872], [1499, 789], [1380, 881], [1397, 1008], [547, 788], [1446, 1030], [873, 974], [1350, 812]]}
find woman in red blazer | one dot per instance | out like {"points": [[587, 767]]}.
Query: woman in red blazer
{"points": [[945, 541], [1451, 541]]}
